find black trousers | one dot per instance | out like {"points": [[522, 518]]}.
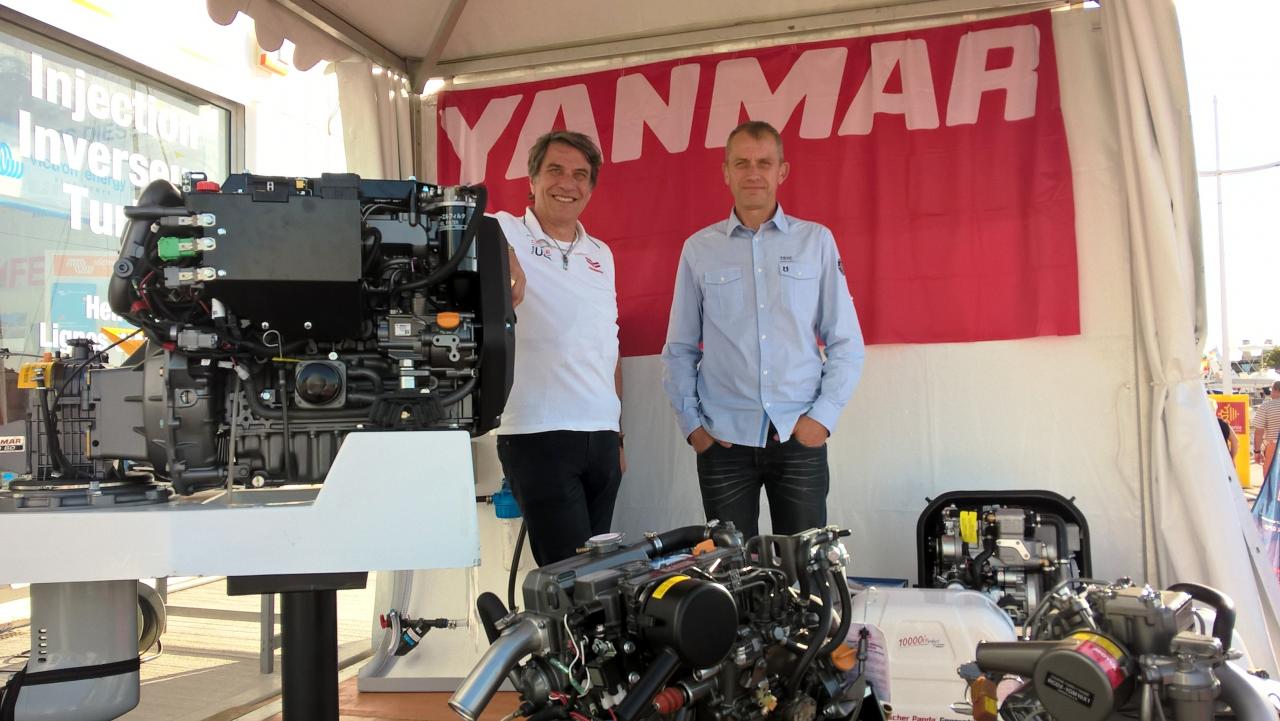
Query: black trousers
{"points": [[566, 483], [795, 477]]}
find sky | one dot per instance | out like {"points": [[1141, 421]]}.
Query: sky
{"points": [[1232, 52]]}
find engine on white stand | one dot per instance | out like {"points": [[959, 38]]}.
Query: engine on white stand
{"points": [[281, 315]]}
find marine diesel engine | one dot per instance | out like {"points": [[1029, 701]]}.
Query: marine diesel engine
{"points": [[1096, 651], [279, 314], [692, 622], [1010, 546]]}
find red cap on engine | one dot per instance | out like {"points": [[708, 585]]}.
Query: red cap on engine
{"points": [[207, 186], [668, 701]]}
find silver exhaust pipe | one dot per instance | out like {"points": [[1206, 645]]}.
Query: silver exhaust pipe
{"points": [[517, 641]]}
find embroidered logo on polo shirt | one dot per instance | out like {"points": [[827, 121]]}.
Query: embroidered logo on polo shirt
{"points": [[593, 265], [541, 248]]}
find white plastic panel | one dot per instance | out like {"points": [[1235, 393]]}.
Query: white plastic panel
{"points": [[392, 501]]}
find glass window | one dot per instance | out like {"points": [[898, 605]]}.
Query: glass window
{"points": [[80, 137]]}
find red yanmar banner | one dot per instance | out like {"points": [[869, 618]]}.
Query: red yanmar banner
{"points": [[937, 157]]}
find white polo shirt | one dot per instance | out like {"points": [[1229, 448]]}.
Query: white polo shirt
{"points": [[566, 334]]}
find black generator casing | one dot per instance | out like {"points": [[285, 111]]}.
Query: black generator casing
{"points": [[287, 259]]}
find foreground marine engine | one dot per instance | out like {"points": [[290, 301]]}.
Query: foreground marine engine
{"points": [[691, 621], [1118, 650], [280, 314]]}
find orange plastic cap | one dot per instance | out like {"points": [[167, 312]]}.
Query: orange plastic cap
{"points": [[844, 658], [707, 546]]}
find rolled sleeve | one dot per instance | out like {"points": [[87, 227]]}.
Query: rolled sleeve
{"points": [[683, 349], [839, 330]]}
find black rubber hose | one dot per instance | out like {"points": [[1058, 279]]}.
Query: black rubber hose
{"points": [[801, 562], [9, 699], [459, 393], [846, 613], [725, 538], [824, 627], [153, 212], [367, 358], [515, 566], [1224, 622], [468, 239], [368, 374], [639, 700], [375, 247], [549, 713], [975, 570], [1064, 540], [490, 610], [677, 539], [53, 443]]}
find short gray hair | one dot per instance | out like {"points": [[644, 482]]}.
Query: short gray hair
{"points": [[578, 141], [757, 129]]}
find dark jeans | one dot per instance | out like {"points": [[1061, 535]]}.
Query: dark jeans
{"points": [[566, 483], [795, 477]]}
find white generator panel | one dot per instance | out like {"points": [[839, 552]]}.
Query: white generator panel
{"points": [[918, 637]]}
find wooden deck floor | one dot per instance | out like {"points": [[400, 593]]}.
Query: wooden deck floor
{"points": [[356, 706]]}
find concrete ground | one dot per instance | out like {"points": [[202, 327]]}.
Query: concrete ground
{"points": [[1256, 478]]}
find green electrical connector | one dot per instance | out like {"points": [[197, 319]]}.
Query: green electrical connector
{"points": [[171, 248]]}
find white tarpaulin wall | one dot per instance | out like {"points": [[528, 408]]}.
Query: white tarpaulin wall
{"points": [[1192, 536], [1115, 417], [1059, 414]]}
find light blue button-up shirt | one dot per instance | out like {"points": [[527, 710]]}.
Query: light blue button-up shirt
{"points": [[742, 343]]}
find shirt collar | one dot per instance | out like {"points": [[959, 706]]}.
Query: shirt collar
{"points": [[779, 221], [535, 228]]}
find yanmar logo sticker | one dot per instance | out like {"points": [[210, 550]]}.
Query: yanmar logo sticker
{"points": [[13, 444]]}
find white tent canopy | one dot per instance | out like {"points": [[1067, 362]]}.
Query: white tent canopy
{"points": [[422, 39], [1115, 416]]}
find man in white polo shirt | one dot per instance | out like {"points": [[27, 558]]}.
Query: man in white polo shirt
{"points": [[559, 441]]}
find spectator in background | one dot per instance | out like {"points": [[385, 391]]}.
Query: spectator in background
{"points": [[1228, 435], [1265, 427]]}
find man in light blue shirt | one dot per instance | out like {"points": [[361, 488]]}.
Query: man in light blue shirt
{"points": [[754, 296]]}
